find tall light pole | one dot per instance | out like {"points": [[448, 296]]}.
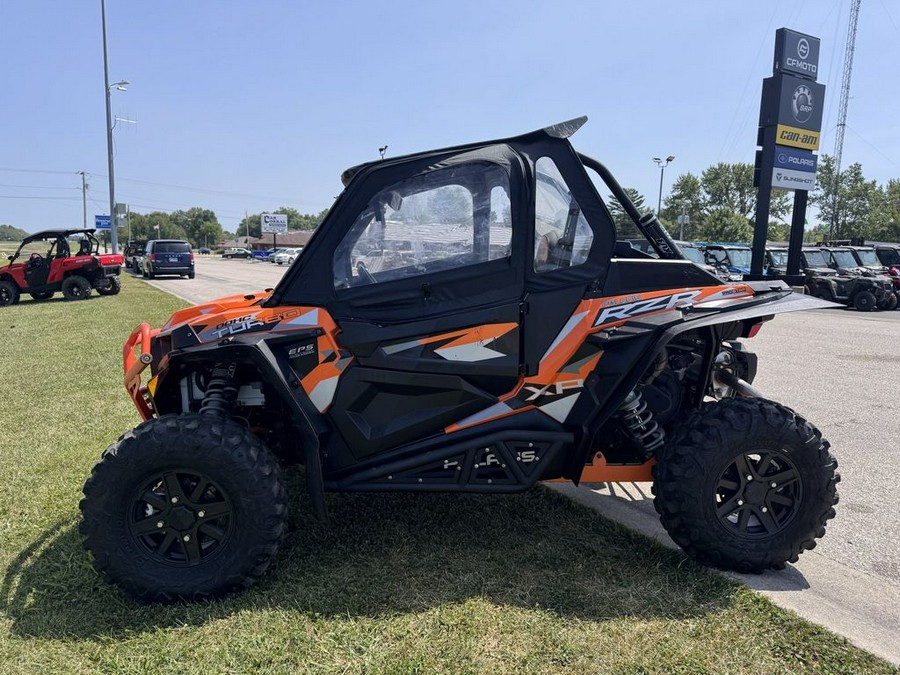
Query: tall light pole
{"points": [[662, 164], [113, 224]]}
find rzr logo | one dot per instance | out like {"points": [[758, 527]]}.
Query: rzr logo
{"points": [[630, 310], [555, 389]]}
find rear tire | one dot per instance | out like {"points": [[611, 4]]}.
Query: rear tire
{"points": [[76, 288], [864, 301], [889, 303], [115, 285], [226, 527], [191, 275], [9, 293], [717, 514]]}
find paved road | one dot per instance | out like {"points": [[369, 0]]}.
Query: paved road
{"points": [[217, 278], [838, 368]]}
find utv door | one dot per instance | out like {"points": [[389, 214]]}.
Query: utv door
{"points": [[428, 288]]}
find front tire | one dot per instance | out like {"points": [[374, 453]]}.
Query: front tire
{"points": [[746, 484], [76, 288], [184, 506], [9, 293], [115, 285]]}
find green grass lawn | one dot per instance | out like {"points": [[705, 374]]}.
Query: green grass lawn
{"points": [[392, 583]]}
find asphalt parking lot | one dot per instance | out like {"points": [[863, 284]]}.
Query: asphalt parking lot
{"points": [[839, 369]]}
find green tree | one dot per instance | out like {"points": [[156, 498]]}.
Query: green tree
{"points": [[685, 198], [625, 227], [10, 233], [144, 226], [723, 224], [890, 227], [200, 226], [848, 204]]}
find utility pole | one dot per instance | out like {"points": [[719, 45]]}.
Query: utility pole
{"points": [[83, 200], [109, 143], [662, 164]]}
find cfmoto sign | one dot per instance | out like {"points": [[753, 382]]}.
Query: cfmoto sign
{"points": [[796, 53]]}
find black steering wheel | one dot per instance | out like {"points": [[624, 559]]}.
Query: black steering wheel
{"points": [[35, 260], [365, 273]]}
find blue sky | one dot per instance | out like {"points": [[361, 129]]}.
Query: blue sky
{"points": [[246, 106]]}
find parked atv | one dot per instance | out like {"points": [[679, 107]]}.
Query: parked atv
{"points": [[463, 320], [733, 258], [842, 259], [49, 265], [869, 263], [864, 293]]}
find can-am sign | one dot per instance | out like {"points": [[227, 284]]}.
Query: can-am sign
{"points": [[274, 222]]}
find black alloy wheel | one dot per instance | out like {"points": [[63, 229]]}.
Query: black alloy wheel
{"points": [[758, 494], [184, 506], [745, 484], [76, 288], [9, 294], [180, 517]]}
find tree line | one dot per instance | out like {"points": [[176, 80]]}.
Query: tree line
{"points": [[200, 226], [720, 205]]}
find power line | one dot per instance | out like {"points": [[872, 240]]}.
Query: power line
{"points": [[38, 187], [61, 173], [873, 146], [67, 199]]}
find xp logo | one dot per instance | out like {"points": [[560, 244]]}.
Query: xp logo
{"points": [[803, 48], [802, 103]]}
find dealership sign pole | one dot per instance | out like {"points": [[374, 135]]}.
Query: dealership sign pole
{"points": [[790, 124], [274, 223]]}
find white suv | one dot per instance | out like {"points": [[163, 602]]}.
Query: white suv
{"points": [[288, 255]]}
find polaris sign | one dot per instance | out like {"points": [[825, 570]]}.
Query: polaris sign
{"points": [[795, 160], [274, 222], [796, 54]]}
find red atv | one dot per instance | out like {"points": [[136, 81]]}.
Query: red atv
{"points": [[50, 264]]}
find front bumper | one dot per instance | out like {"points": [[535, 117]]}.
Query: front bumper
{"points": [[133, 365]]}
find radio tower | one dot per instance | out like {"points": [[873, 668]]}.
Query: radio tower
{"points": [[842, 111]]}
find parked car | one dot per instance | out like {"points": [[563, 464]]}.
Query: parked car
{"points": [[288, 256], [263, 255], [237, 253], [134, 251], [168, 256], [271, 257], [204, 250]]}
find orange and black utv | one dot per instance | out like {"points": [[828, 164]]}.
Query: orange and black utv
{"points": [[463, 320]]}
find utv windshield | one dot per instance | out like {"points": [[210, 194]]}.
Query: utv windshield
{"points": [[779, 258], [889, 256], [844, 259], [693, 254], [815, 259], [740, 257], [867, 258]]}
